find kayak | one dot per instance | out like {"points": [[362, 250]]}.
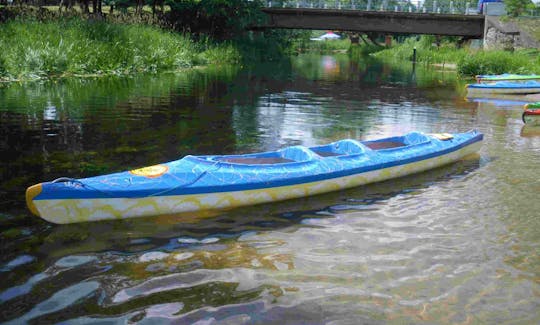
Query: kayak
{"points": [[507, 77], [532, 105], [505, 87], [198, 183], [531, 114]]}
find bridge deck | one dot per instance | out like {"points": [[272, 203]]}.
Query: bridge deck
{"points": [[376, 21]]}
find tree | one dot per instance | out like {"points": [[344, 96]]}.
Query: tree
{"points": [[515, 8]]}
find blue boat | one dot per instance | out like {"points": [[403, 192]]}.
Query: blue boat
{"points": [[197, 183], [504, 87], [507, 77]]}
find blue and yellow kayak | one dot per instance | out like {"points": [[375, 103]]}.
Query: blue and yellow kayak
{"points": [[507, 77], [197, 183], [504, 87]]}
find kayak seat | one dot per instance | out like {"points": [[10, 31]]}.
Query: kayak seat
{"points": [[340, 148]]}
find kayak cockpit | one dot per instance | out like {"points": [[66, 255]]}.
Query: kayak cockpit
{"points": [[397, 143], [294, 154], [346, 148]]}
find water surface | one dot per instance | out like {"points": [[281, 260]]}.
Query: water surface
{"points": [[458, 244]]}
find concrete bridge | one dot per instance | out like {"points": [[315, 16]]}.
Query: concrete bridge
{"points": [[388, 22]]}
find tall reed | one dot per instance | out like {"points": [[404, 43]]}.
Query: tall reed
{"points": [[74, 46]]}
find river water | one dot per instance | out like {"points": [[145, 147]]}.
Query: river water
{"points": [[459, 244]]}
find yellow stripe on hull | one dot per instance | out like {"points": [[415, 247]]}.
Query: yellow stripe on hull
{"points": [[81, 210], [507, 91]]}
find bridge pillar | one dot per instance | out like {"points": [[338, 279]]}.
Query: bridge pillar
{"points": [[388, 40]]}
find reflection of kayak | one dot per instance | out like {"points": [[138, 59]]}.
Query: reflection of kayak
{"points": [[507, 76], [505, 87], [196, 183], [502, 102], [531, 116]]}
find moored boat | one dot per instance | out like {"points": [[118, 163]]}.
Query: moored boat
{"points": [[507, 77], [196, 183], [532, 105], [531, 114], [504, 87]]}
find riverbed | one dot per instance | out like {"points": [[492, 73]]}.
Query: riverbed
{"points": [[458, 244]]}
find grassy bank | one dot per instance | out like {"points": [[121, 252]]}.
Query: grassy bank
{"points": [[469, 61], [33, 49]]}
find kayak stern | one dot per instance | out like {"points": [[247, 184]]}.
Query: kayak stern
{"points": [[31, 193]]}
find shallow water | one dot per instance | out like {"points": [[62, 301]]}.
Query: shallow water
{"points": [[458, 244]]}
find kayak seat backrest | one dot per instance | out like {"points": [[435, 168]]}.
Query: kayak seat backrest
{"points": [[297, 153], [413, 138], [340, 148]]}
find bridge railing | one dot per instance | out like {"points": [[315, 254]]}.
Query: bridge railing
{"points": [[458, 7]]}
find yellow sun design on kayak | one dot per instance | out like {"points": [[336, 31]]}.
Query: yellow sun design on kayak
{"points": [[150, 171]]}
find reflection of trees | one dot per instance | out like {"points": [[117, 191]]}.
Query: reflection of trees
{"points": [[86, 127], [323, 107]]}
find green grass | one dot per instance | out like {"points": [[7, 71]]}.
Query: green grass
{"points": [[426, 51], [469, 62], [497, 62], [321, 46], [33, 49]]}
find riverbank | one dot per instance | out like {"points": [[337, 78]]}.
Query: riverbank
{"points": [[468, 60], [79, 47]]}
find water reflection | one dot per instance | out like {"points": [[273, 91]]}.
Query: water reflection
{"points": [[455, 244]]}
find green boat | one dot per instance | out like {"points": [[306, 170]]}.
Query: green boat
{"points": [[532, 105], [507, 77], [531, 114]]}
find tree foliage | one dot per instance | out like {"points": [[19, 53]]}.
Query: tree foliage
{"points": [[515, 8], [217, 18]]}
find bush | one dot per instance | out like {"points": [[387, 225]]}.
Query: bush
{"points": [[76, 46], [426, 50], [497, 62]]}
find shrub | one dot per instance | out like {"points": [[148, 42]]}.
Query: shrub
{"points": [[497, 62]]}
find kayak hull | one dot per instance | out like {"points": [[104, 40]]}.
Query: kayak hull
{"points": [[506, 77], [72, 209], [505, 87], [503, 91]]}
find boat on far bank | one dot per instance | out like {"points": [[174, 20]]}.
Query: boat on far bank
{"points": [[507, 77], [209, 183], [504, 87], [532, 105]]}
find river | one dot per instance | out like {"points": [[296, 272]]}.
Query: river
{"points": [[458, 244]]}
